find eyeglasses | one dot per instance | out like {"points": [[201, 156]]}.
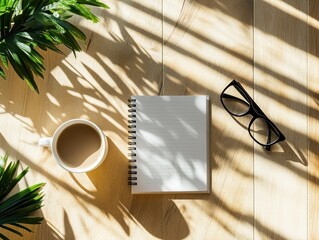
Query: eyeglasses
{"points": [[238, 103]]}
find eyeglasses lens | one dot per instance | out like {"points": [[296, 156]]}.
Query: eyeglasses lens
{"points": [[261, 131], [234, 101]]}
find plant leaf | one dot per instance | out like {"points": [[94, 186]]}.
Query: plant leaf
{"points": [[3, 237], [21, 226], [21, 69], [16, 210], [19, 197], [3, 56], [28, 24], [6, 178], [24, 220], [3, 161], [2, 73], [11, 230], [93, 3], [70, 28], [83, 11], [27, 205]]}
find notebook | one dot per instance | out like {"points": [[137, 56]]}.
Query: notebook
{"points": [[168, 144]]}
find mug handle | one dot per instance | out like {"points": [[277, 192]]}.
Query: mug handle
{"points": [[45, 142]]}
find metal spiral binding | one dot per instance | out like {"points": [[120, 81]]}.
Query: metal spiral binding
{"points": [[132, 168]]}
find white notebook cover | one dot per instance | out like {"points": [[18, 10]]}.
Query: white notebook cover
{"points": [[172, 136]]}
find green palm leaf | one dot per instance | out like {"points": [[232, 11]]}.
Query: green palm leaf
{"points": [[28, 24], [15, 210]]}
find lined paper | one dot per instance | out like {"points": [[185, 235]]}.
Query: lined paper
{"points": [[172, 144]]}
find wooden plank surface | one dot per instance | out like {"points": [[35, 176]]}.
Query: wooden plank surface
{"points": [[280, 83], [180, 47], [122, 57], [199, 47], [313, 129]]}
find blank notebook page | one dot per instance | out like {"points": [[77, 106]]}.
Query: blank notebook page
{"points": [[172, 144]]}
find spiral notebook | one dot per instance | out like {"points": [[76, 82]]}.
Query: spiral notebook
{"points": [[168, 143]]}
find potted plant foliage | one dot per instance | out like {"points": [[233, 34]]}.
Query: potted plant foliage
{"points": [[15, 210], [26, 25]]}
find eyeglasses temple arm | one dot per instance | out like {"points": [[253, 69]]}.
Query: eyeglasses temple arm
{"points": [[248, 98], [268, 139], [243, 93]]}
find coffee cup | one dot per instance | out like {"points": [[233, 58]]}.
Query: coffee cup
{"points": [[78, 145]]}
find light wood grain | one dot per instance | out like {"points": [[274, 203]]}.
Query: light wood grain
{"points": [[122, 57], [198, 48], [181, 47], [280, 83], [313, 73]]}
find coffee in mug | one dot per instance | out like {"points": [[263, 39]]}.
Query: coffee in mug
{"points": [[78, 145]]}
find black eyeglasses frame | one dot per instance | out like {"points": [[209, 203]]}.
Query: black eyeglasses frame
{"points": [[253, 110]]}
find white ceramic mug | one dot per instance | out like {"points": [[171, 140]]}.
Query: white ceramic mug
{"points": [[52, 143]]}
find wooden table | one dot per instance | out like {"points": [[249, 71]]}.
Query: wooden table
{"points": [[178, 47]]}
